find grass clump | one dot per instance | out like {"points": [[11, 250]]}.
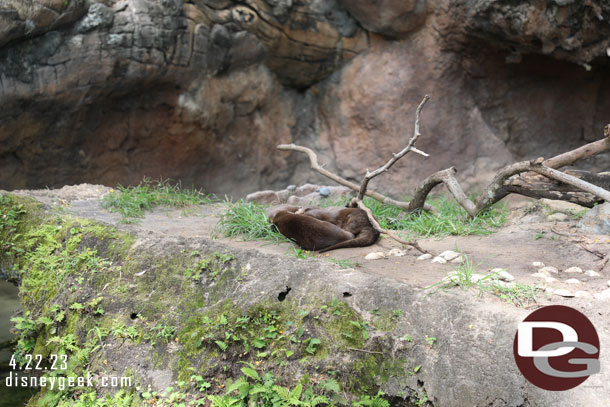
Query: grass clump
{"points": [[132, 202], [452, 219], [464, 276], [249, 221]]}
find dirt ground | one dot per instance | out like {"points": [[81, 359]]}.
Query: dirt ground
{"points": [[528, 237]]}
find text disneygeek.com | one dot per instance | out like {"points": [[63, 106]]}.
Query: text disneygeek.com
{"points": [[27, 375]]}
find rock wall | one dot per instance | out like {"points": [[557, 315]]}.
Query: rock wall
{"points": [[203, 90]]}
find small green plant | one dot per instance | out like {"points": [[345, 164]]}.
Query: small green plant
{"points": [[430, 339], [516, 293], [538, 235], [247, 220], [132, 202]]}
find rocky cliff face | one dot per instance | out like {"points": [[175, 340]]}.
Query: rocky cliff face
{"points": [[203, 90]]}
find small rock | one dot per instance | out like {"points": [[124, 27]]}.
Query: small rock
{"points": [[397, 252], [439, 260], [538, 264], [573, 281], [597, 220], [592, 273], [549, 290], [324, 191], [503, 274], [458, 260], [608, 283], [374, 256], [562, 206], [563, 293], [574, 270], [475, 277], [540, 275], [604, 295], [549, 269], [291, 188], [582, 294], [550, 279], [557, 217], [425, 256], [451, 277], [449, 255]]}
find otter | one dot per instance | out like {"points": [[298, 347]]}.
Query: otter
{"points": [[324, 229], [308, 232], [352, 220]]}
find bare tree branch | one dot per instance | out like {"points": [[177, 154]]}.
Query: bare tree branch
{"points": [[581, 153], [313, 159], [397, 156], [376, 225]]}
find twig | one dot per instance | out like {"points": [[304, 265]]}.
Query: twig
{"points": [[377, 226], [366, 351], [397, 156]]}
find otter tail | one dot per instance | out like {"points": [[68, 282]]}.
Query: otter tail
{"points": [[366, 237]]}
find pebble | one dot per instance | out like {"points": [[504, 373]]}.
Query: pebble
{"points": [[540, 275], [451, 277], [503, 274], [550, 279], [604, 295], [549, 290], [608, 283], [582, 294], [563, 293], [291, 187], [324, 192], [397, 252], [425, 256], [449, 255], [549, 269], [458, 260], [538, 264], [574, 270], [475, 278], [374, 256], [557, 217], [439, 260], [573, 281], [592, 273]]}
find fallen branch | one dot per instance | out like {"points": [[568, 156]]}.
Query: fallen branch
{"points": [[356, 202], [586, 151], [313, 160]]}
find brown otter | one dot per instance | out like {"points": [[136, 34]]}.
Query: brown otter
{"points": [[352, 220], [308, 232]]}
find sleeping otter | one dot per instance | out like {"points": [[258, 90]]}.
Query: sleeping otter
{"points": [[324, 229], [353, 220]]}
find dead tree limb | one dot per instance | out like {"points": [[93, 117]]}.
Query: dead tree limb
{"points": [[357, 202], [313, 160], [586, 151], [396, 156]]}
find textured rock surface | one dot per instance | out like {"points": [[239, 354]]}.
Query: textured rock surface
{"points": [[456, 336], [109, 92]]}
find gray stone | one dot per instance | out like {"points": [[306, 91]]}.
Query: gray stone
{"points": [[597, 220], [98, 16]]}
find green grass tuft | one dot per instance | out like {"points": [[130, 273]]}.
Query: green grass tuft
{"points": [[451, 220], [247, 220], [132, 202]]}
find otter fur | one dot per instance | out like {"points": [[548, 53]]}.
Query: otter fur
{"points": [[324, 229], [308, 232], [352, 220]]}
